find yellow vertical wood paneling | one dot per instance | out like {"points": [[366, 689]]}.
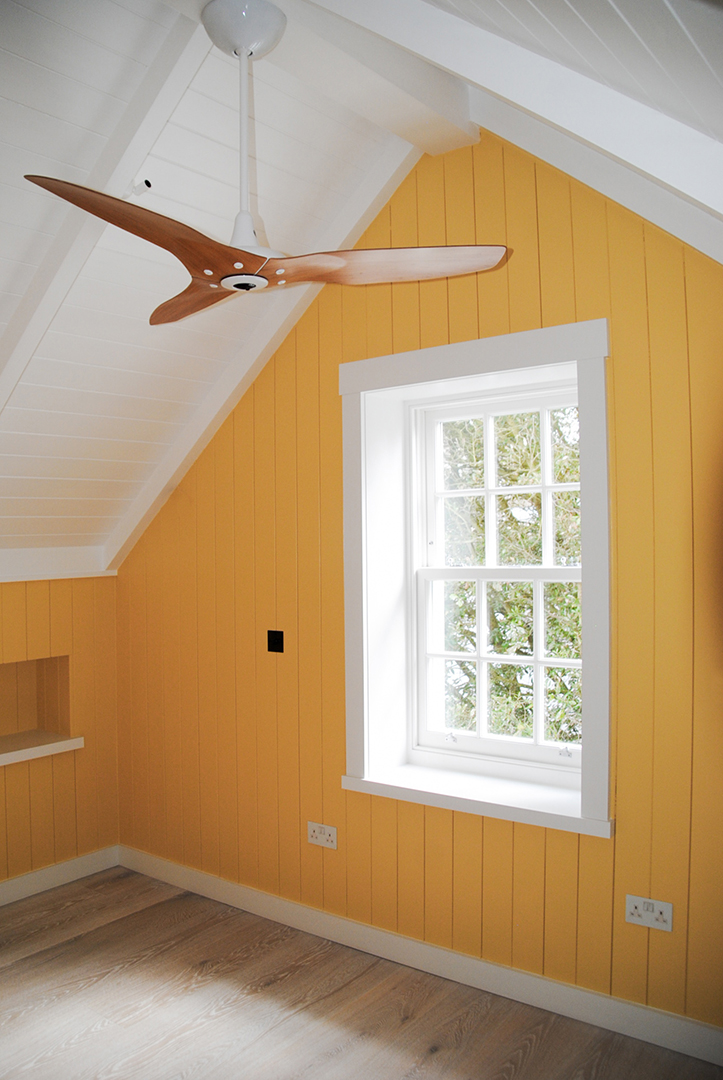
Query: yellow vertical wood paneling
{"points": [[287, 668], [432, 232], [309, 601], [521, 214], [635, 594], [125, 759], [171, 678], [82, 705], [672, 492], [105, 682], [61, 644], [206, 651], [554, 217], [596, 857], [3, 830], [410, 870], [64, 819], [332, 591], [358, 835], [266, 663], [595, 913], [467, 878], [384, 869], [155, 559], [528, 897], [8, 698], [14, 622], [139, 697], [188, 682], [497, 891], [226, 654], [61, 617], [704, 288], [354, 324], [460, 218], [560, 904], [493, 304], [27, 695], [38, 619], [42, 827], [17, 804], [246, 638], [438, 870], [405, 294], [378, 297]]}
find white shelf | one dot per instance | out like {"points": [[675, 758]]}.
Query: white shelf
{"points": [[25, 745]]}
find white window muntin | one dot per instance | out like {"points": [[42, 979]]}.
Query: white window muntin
{"points": [[428, 554]]}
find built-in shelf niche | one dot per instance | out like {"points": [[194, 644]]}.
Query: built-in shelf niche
{"points": [[35, 709]]}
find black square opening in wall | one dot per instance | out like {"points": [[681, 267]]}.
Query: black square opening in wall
{"points": [[275, 640]]}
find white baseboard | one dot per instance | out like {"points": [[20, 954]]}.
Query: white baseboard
{"points": [[651, 1025], [38, 881]]}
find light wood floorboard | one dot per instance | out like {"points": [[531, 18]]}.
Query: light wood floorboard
{"points": [[119, 976]]}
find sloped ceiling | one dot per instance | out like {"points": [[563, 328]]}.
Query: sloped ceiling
{"points": [[100, 413]]}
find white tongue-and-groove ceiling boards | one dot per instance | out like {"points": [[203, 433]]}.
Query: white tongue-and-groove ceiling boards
{"points": [[101, 413]]}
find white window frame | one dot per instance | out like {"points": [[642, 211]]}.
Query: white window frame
{"points": [[378, 398]]}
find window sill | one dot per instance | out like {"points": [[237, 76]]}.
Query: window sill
{"points": [[25, 745], [510, 800]]}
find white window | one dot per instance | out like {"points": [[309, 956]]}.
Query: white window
{"points": [[496, 558], [477, 637]]}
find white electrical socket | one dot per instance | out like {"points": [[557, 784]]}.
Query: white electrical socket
{"points": [[323, 835], [653, 913]]}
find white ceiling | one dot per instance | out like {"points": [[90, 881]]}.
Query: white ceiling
{"points": [[101, 413]]}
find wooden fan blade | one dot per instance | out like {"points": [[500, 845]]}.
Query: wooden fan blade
{"points": [[195, 297], [196, 251], [375, 266]]}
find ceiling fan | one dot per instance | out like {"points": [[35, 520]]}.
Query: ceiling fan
{"points": [[246, 29]]}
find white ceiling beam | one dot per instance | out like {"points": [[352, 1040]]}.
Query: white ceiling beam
{"points": [[389, 86], [646, 197], [373, 77], [144, 118], [46, 563], [283, 311], [675, 155]]}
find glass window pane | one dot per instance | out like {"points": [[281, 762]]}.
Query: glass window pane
{"points": [[464, 530], [563, 705], [566, 511], [460, 616], [510, 617], [460, 695], [463, 454], [563, 619], [519, 529], [510, 700], [517, 443], [565, 428]]}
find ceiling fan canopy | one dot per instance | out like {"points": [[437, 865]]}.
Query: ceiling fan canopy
{"points": [[250, 29], [237, 26]]}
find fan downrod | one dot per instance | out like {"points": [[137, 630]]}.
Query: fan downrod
{"points": [[250, 27]]}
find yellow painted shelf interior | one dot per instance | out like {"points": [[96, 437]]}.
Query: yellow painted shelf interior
{"points": [[35, 709]]}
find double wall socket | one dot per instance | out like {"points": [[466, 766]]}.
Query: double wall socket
{"points": [[653, 913], [323, 835]]}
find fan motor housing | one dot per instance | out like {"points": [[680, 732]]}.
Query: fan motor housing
{"points": [[244, 282]]}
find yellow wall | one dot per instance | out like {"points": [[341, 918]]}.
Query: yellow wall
{"points": [[226, 750], [54, 808]]}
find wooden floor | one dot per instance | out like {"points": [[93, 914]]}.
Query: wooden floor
{"points": [[120, 976]]}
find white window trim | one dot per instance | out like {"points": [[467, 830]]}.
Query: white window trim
{"points": [[377, 623]]}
